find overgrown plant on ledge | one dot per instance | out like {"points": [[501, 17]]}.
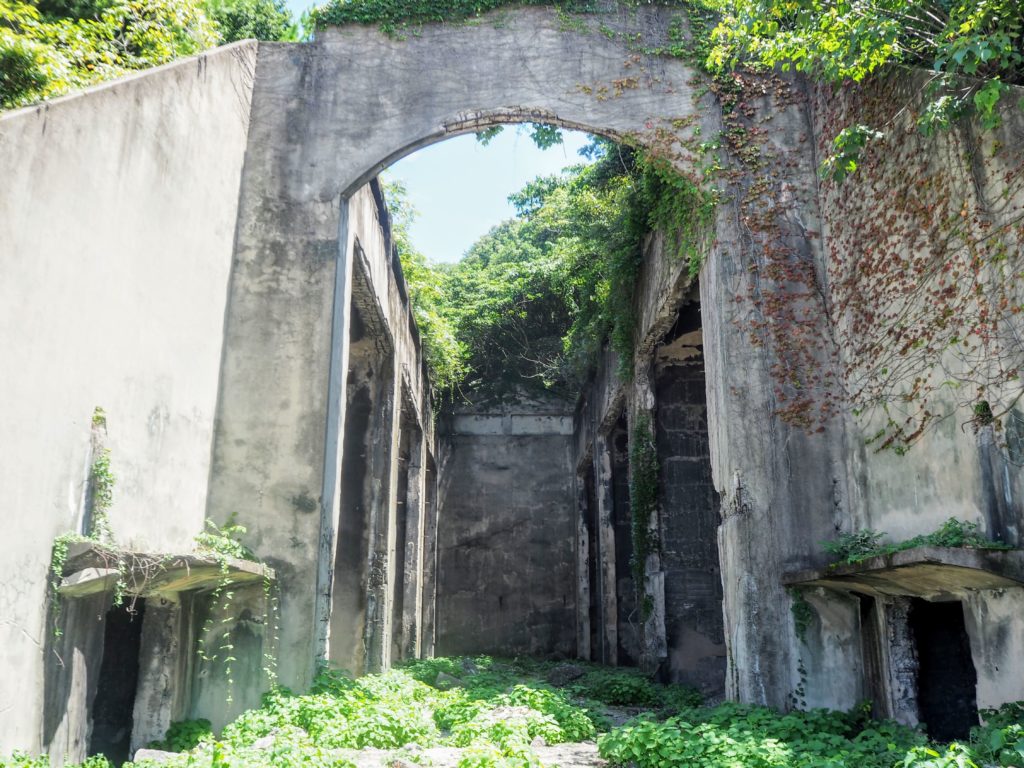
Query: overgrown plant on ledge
{"points": [[974, 48], [856, 547]]}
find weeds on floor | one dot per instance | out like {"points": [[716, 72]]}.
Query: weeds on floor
{"points": [[497, 709]]}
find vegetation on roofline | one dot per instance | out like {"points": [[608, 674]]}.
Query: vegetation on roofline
{"points": [[831, 41]]}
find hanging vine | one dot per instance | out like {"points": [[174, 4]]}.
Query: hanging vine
{"points": [[643, 497]]}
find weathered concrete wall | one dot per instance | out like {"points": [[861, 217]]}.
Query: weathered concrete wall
{"points": [[334, 550], [781, 487], [899, 206], [898, 210], [118, 216], [677, 628], [506, 536], [997, 643]]}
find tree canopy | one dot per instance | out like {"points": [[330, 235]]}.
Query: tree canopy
{"points": [[974, 47], [50, 47], [532, 302]]}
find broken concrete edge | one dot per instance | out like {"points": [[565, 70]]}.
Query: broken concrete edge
{"points": [[93, 567], [895, 573]]}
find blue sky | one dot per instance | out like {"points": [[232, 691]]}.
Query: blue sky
{"points": [[460, 188]]}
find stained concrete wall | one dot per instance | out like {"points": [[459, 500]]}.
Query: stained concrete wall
{"points": [[956, 469], [118, 216], [506, 537], [784, 489]]}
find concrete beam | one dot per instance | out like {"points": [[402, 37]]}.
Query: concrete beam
{"points": [[428, 587]]}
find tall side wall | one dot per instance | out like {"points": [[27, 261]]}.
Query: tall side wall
{"points": [[899, 205], [918, 208], [507, 533], [117, 220]]}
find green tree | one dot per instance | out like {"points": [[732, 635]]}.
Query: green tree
{"points": [[58, 46], [48, 56], [853, 39], [531, 304], [427, 288], [259, 19]]}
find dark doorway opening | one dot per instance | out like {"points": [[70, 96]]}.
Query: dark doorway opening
{"points": [[114, 704], [946, 677]]}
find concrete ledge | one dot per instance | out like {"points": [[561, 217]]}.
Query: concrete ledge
{"points": [[934, 573], [91, 569]]}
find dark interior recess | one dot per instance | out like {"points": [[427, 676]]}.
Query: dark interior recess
{"points": [[353, 547], [946, 677], [112, 709]]}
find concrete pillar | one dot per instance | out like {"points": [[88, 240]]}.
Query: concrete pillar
{"points": [[337, 394], [350, 563], [163, 686], [606, 542], [428, 559], [653, 645], [412, 586], [900, 660], [583, 554], [71, 676], [382, 478]]}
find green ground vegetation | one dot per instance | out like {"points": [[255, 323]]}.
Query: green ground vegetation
{"points": [[495, 709]]}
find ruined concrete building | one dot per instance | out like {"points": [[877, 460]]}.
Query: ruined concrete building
{"points": [[201, 251]]}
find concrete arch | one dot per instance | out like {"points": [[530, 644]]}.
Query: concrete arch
{"points": [[325, 118]]}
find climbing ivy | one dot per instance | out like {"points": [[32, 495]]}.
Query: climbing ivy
{"points": [[395, 15], [802, 611], [643, 496], [225, 543]]}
